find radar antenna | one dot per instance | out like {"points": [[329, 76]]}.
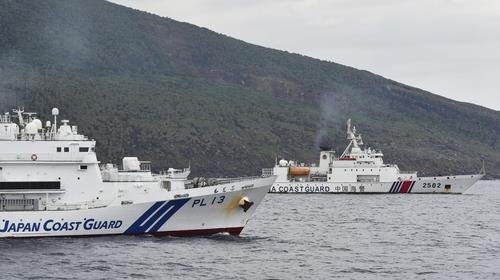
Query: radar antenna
{"points": [[355, 140], [350, 134], [19, 111], [483, 169], [30, 116], [53, 130]]}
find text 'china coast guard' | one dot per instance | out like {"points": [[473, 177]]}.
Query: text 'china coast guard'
{"points": [[51, 184]]}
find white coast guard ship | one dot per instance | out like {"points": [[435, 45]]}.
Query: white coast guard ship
{"points": [[359, 170], [51, 184]]}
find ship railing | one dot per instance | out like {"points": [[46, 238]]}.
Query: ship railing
{"points": [[236, 179], [318, 178], [144, 167], [5, 118], [18, 204], [167, 173], [126, 178], [68, 157], [200, 182], [77, 206], [48, 136], [267, 172], [115, 176]]}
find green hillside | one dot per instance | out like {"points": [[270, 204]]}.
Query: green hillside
{"points": [[172, 92]]}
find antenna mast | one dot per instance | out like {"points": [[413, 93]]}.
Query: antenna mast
{"points": [[55, 113], [19, 113]]}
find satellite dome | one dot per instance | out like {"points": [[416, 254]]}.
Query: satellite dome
{"points": [[37, 123], [31, 128]]}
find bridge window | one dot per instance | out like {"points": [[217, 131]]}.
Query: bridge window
{"points": [[83, 149], [30, 185], [66, 149], [83, 167], [59, 149]]}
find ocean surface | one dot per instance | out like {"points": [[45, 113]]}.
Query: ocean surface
{"points": [[295, 236]]}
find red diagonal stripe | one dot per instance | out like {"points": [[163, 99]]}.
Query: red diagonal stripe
{"points": [[404, 188]]}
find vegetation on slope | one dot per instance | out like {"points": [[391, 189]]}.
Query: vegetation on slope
{"points": [[172, 92]]}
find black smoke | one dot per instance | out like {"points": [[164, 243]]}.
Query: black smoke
{"points": [[326, 123]]}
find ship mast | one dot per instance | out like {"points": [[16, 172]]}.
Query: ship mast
{"points": [[355, 140], [19, 113], [53, 128]]}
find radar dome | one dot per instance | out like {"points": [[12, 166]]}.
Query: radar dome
{"points": [[283, 162], [37, 123], [31, 128], [55, 111]]}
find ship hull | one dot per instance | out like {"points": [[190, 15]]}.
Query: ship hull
{"points": [[436, 185], [217, 212]]}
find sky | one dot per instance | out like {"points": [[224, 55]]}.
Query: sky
{"points": [[448, 47]]}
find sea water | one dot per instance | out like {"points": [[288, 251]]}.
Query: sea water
{"points": [[385, 236]]}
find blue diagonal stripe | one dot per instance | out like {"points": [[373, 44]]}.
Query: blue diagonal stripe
{"points": [[137, 224], [171, 211], [156, 216]]}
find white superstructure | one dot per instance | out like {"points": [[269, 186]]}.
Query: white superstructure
{"points": [[359, 170], [51, 184]]}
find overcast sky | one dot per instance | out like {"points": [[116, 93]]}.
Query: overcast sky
{"points": [[448, 47]]}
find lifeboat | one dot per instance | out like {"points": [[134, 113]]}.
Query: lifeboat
{"points": [[298, 171]]}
